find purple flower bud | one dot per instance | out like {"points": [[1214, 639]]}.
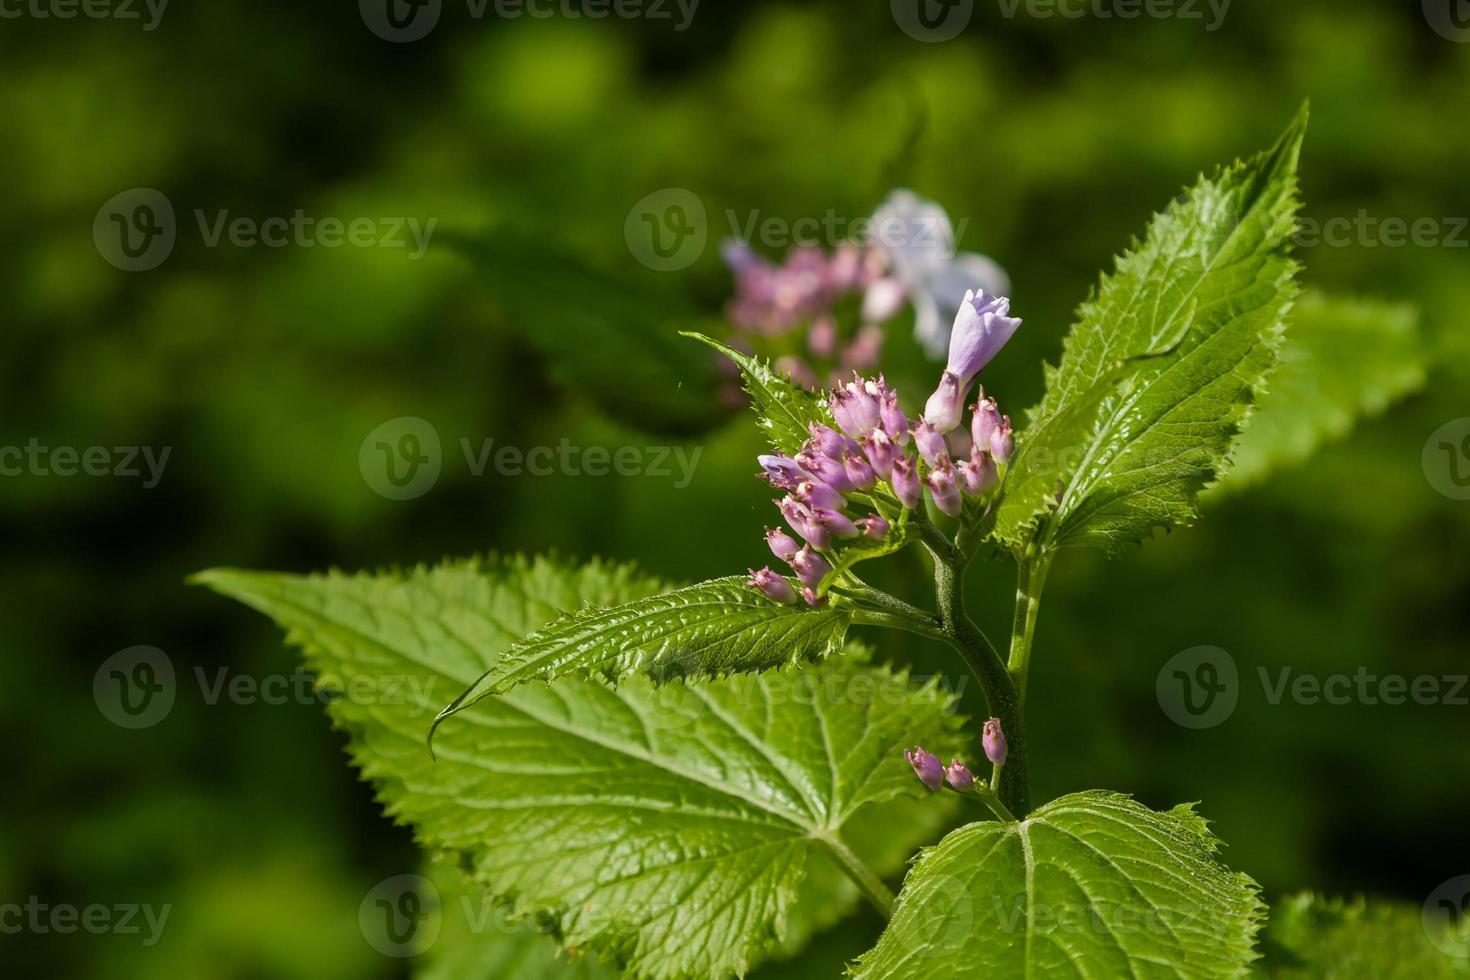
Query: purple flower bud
{"points": [[811, 597], [800, 517], [824, 469], [873, 526], [828, 441], [945, 489], [878, 447], [895, 423], [1001, 440], [782, 472], [783, 545], [985, 421], [772, 585], [857, 406], [976, 474], [947, 404], [819, 495], [982, 326], [959, 776], [810, 567], [835, 522], [905, 481], [883, 299], [859, 471], [926, 766], [931, 444], [994, 741]]}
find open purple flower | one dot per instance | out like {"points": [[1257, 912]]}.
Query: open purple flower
{"points": [[981, 328]]}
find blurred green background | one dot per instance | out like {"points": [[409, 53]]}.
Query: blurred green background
{"points": [[528, 320]]}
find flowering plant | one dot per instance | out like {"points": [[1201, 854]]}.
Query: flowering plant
{"points": [[626, 766]]}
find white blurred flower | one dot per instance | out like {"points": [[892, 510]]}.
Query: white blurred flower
{"points": [[918, 239]]}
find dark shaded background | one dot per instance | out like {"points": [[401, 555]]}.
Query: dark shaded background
{"points": [[528, 320]]}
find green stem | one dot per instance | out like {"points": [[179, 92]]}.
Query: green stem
{"points": [[918, 619], [1031, 577], [863, 876], [992, 802], [1000, 690]]}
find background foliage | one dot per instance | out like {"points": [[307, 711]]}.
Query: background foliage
{"points": [[530, 140]]}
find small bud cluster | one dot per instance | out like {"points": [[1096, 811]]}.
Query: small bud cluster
{"points": [[800, 293], [933, 774]]}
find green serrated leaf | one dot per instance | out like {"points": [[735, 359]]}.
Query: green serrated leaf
{"points": [[670, 828], [711, 629], [1092, 884], [784, 409], [1337, 939], [1343, 359], [474, 939], [1162, 366]]}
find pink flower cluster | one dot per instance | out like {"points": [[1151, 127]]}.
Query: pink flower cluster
{"points": [[869, 449], [774, 300]]}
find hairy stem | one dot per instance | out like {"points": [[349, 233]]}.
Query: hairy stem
{"points": [[863, 876], [1000, 689]]}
